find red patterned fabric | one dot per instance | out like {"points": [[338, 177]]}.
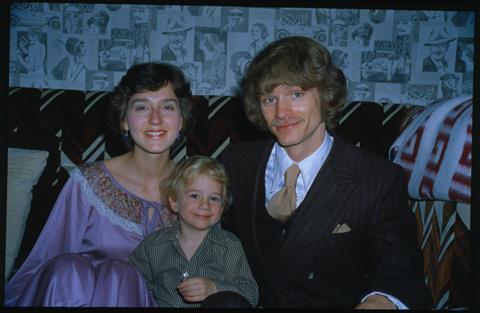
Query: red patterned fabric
{"points": [[435, 150]]}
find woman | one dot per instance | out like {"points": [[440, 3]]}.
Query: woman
{"points": [[106, 208], [259, 35], [32, 52], [72, 67]]}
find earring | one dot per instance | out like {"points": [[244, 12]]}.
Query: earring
{"points": [[127, 142]]}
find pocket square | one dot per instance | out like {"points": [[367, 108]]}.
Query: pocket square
{"points": [[341, 228]]}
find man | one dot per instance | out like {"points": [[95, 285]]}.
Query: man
{"points": [[177, 33], [438, 43], [361, 92], [449, 85], [98, 22], [338, 33], [234, 20], [351, 240], [100, 81], [361, 36]]}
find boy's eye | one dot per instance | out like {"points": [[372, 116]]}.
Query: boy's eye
{"points": [[215, 199], [194, 196]]}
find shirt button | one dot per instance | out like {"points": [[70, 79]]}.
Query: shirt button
{"points": [[310, 275]]}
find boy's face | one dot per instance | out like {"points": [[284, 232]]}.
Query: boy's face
{"points": [[199, 205]]}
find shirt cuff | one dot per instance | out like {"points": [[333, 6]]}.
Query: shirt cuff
{"points": [[395, 301]]}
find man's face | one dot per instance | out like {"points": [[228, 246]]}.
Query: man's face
{"points": [[73, 17], [294, 117], [439, 51], [140, 15], [403, 27], [177, 39], [99, 84], [234, 20], [340, 31], [361, 94], [451, 82]]}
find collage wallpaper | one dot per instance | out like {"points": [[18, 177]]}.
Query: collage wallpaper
{"points": [[393, 56]]}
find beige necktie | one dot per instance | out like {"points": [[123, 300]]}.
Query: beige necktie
{"points": [[283, 203]]}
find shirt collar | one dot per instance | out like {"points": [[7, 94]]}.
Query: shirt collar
{"points": [[214, 234], [309, 166]]}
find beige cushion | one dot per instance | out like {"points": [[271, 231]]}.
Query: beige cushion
{"points": [[25, 167]]}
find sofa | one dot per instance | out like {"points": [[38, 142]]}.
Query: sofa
{"points": [[69, 126]]}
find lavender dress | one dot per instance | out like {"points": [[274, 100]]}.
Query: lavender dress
{"points": [[81, 256]]}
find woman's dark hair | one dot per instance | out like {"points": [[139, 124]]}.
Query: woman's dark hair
{"points": [[148, 77], [294, 61]]}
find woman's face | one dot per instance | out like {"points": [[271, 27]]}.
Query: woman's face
{"points": [[32, 38], [154, 120], [345, 60], [82, 50], [256, 32]]}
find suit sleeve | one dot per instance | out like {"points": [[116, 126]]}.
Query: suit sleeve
{"points": [[227, 216], [396, 261]]}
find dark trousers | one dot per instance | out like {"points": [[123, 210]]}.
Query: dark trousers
{"points": [[225, 299]]}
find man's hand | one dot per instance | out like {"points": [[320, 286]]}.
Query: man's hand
{"points": [[376, 302], [196, 289]]}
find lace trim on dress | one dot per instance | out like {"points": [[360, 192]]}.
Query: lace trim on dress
{"points": [[116, 205]]}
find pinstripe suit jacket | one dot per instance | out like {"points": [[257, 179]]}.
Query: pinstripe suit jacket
{"points": [[315, 266]]}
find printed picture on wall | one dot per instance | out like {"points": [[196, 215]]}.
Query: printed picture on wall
{"points": [[234, 19], [177, 49], [98, 80], [439, 43], [215, 44], [418, 93], [389, 62]]}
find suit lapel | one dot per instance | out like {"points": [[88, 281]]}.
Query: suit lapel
{"points": [[258, 199], [317, 215]]}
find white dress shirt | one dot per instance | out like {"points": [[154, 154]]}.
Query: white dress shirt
{"points": [[277, 164], [279, 161]]}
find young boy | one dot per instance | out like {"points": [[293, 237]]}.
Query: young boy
{"points": [[194, 258]]}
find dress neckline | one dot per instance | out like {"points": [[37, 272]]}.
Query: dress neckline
{"points": [[123, 188]]}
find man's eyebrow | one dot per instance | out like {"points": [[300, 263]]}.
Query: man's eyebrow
{"points": [[147, 99]]}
